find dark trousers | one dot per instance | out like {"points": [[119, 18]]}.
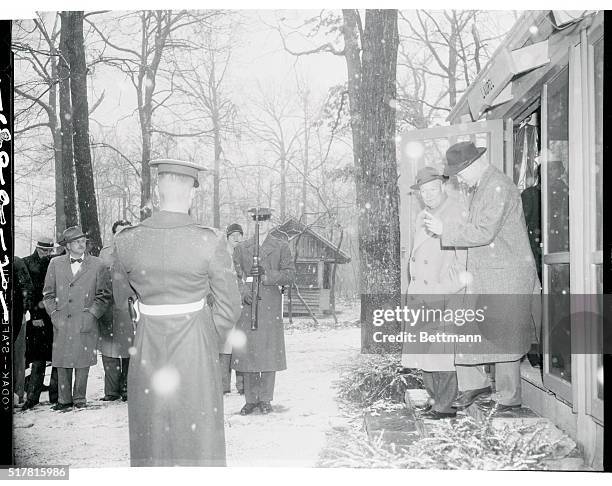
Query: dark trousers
{"points": [[64, 380], [225, 363], [37, 378], [442, 387], [115, 376], [259, 386]]}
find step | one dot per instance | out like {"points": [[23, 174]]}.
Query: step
{"points": [[394, 429]]}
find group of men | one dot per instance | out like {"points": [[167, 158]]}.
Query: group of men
{"points": [[170, 301], [473, 256]]}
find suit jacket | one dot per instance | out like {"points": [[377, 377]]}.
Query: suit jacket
{"points": [[502, 267], [434, 282], [75, 303], [265, 348]]}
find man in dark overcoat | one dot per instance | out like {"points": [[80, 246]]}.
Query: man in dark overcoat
{"points": [[263, 352], [116, 328], [76, 294], [175, 406], [503, 276], [39, 330]]}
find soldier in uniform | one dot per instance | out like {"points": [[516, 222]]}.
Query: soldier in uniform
{"points": [[264, 351], [175, 405]]}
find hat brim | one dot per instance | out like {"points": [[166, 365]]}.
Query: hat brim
{"points": [[451, 171], [46, 247], [440, 177], [71, 239]]}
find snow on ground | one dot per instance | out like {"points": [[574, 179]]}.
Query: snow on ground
{"points": [[293, 435]]}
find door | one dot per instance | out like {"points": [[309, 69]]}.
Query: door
{"points": [[427, 147], [555, 159]]}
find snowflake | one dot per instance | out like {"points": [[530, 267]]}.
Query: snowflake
{"points": [[165, 380]]}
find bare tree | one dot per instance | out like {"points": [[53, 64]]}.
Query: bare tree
{"points": [[201, 79], [278, 128], [158, 33], [370, 52], [74, 45]]}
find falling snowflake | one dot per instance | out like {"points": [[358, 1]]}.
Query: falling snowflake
{"points": [[166, 380], [533, 30], [466, 278], [238, 339], [132, 350], [414, 150]]}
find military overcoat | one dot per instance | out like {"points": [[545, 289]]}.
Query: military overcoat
{"points": [[264, 349], [175, 405]]}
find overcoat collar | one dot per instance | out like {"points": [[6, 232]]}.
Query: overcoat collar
{"points": [[268, 246], [421, 235], [168, 219]]}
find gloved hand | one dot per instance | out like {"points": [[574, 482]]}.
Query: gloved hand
{"points": [[248, 299]]}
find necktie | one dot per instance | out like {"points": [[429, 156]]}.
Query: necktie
{"points": [[75, 260]]}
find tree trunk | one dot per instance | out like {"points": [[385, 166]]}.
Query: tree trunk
{"points": [[306, 165], [56, 134], [372, 87], [86, 191], [283, 185], [65, 109]]}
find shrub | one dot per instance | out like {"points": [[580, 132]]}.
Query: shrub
{"points": [[370, 378]]}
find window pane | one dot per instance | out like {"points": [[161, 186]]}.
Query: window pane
{"points": [[598, 56], [558, 163], [600, 389], [560, 350]]}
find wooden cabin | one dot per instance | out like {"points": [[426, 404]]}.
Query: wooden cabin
{"points": [[316, 256], [539, 102]]}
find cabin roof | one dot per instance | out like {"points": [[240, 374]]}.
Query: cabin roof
{"points": [[292, 228]]}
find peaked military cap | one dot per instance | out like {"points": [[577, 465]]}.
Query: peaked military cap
{"points": [[182, 167]]}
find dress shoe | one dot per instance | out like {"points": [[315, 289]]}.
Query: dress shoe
{"points": [[424, 409], [28, 405], [248, 408], [467, 397], [59, 407], [109, 398], [435, 415], [265, 407], [81, 404], [124, 397]]}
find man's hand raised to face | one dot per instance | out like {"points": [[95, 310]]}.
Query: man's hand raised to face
{"points": [[433, 224]]}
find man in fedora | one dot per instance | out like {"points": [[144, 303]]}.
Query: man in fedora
{"points": [[39, 330], [501, 277], [175, 405], [434, 281], [76, 294]]}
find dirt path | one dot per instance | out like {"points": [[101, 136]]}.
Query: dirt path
{"points": [[293, 435]]}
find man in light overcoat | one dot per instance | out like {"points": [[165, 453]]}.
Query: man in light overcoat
{"points": [[435, 278], [76, 294], [502, 277]]}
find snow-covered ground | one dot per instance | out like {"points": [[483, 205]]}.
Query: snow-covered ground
{"points": [[293, 435]]}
